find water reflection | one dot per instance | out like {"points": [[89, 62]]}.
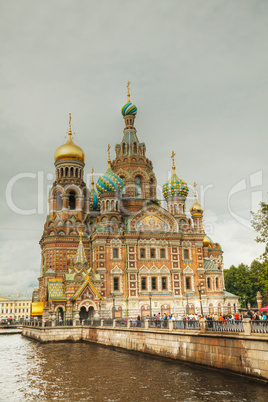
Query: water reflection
{"points": [[80, 371]]}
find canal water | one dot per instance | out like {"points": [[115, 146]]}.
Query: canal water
{"points": [[82, 371]]}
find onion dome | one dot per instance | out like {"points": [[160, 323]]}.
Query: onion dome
{"points": [[93, 195], [196, 208], [109, 181], [128, 109], [94, 199], [69, 150], [206, 241], [175, 187]]}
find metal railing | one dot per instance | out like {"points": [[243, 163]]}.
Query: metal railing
{"points": [[121, 322], [225, 326], [108, 322], [186, 324], [259, 327]]}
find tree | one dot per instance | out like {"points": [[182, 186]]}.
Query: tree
{"points": [[259, 222]]}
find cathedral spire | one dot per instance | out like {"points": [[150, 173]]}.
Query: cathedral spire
{"points": [[80, 253]]}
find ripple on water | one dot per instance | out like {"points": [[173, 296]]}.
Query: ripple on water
{"points": [[77, 372]]}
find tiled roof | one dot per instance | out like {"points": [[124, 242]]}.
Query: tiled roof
{"points": [[228, 294], [56, 291], [209, 265]]}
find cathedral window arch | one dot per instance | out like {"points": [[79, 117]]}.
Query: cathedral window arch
{"points": [[138, 187], [175, 209], [116, 206], [107, 205], [66, 171], [58, 201], [76, 172], [217, 283], [124, 148], [61, 172], [71, 171], [134, 148], [209, 283], [152, 188], [112, 205], [72, 200]]}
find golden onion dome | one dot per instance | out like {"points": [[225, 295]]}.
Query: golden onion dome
{"points": [[196, 208], [206, 242], [69, 150]]}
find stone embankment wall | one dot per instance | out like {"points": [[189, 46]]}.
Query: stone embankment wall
{"points": [[246, 355]]}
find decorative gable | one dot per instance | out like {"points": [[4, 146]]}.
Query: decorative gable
{"points": [[152, 218]]}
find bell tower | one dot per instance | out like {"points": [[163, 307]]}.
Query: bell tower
{"points": [[131, 164]]}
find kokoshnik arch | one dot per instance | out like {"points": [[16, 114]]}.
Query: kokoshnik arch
{"points": [[115, 250]]}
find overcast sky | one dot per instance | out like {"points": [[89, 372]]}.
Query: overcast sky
{"points": [[198, 73]]}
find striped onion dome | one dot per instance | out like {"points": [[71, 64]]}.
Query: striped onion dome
{"points": [[93, 199], [129, 108], [109, 182], [175, 187]]}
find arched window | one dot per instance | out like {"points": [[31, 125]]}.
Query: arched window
{"points": [[123, 191], [72, 172], [209, 283], [103, 206], [134, 148], [124, 149], [76, 172], [61, 172], [112, 205], [72, 200], [152, 188], [138, 187], [175, 209], [116, 206], [217, 283], [66, 171], [107, 206], [58, 201]]}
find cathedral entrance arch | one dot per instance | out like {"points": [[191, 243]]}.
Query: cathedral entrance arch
{"points": [[83, 314], [165, 309], [145, 310]]}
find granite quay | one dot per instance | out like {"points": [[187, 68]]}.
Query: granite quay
{"points": [[241, 347]]}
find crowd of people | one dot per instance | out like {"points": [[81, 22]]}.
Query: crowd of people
{"points": [[218, 318]]}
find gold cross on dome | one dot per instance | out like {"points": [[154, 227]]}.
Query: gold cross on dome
{"points": [[128, 94], [195, 188], [70, 123], [92, 178], [173, 161]]}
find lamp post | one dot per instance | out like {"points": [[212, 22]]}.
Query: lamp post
{"points": [[199, 290], [150, 297], [113, 296], [245, 301]]}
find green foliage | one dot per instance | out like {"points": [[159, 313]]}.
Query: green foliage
{"points": [[259, 222], [247, 281]]}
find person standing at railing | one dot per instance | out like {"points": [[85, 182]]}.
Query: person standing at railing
{"points": [[158, 320], [138, 321]]}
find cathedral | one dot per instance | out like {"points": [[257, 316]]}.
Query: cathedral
{"points": [[114, 251]]}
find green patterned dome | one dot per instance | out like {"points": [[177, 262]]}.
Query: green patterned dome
{"points": [[175, 187], [109, 182]]}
